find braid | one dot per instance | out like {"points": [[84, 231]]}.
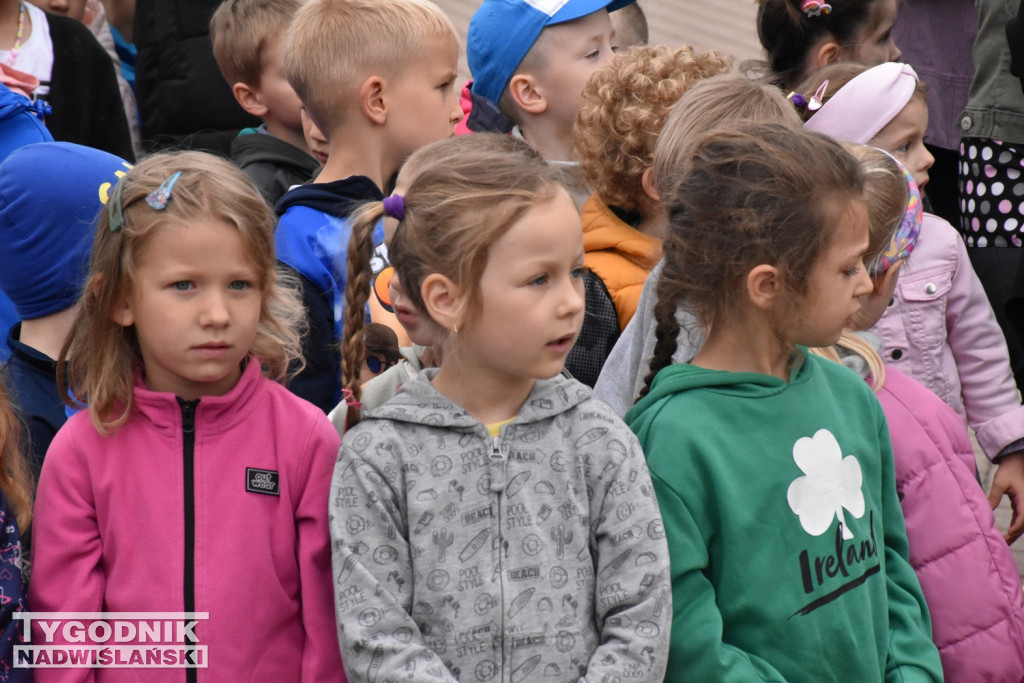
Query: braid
{"points": [[667, 330], [357, 293]]}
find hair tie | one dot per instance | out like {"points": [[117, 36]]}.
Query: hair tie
{"points": [[813, 8], [394, 206], [350, 399], [798, 100]]}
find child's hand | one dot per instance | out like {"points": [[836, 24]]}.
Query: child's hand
{"points": [[1009, 480]]}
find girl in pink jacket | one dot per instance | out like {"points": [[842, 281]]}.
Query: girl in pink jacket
{"points": [[193, 484], [965, 568], [940, 328]]}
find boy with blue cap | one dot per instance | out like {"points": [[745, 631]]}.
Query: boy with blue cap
{"points": [[530, 60], [46, 227]]}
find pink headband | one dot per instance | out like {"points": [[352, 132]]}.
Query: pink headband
{"points": [[866, 104]]}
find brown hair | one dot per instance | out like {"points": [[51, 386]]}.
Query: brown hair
{"points": [[625, 104], [467, 192], [718, 101], [100, 355], [886, 194], [787, 34], [754, 193], [333, 45], [838, 75], [241, 30], [15, 474]]}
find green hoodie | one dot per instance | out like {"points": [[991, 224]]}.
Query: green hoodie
{"points": [[789, 557]]}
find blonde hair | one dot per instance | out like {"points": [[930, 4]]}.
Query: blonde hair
{"points": [[719, 101], [466, 193], [625, 105], [851, 342], [333, 45], [100, 355], [15, 474], [242, 29]]}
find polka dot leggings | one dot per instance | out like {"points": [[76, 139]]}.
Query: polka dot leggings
{"points": [[991, 193]]}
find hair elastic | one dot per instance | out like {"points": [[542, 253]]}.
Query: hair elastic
{"points": [[350, 399], [394, 206], [813, 8]]}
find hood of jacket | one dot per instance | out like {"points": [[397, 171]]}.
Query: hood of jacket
{"points": [[420, 403], [255, 147], [681, 377], [603, 229], [335, 198]]}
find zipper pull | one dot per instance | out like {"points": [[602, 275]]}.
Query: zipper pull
{"points": [[188, 415], [497, 466]]}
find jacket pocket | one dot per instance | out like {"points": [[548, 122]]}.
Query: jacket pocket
{"points": [[924, 300]]}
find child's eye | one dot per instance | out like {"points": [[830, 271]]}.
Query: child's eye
{"points": [[577, 273], [182, 285], [593, 54], [902, 149], [539, 280], [852, 271], [239, 285]]}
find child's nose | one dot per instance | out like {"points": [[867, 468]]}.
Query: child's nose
{"points": [[864, 285], [573, 300], [215, 311]]}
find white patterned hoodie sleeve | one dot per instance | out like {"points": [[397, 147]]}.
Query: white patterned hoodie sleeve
{"points": [[632, 592], [373, 569]]}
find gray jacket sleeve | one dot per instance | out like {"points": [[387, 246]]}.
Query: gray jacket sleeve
{"points": [[632, 588], [373, 579]]}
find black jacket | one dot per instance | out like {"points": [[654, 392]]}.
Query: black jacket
{"points": [[183, 98], [86, 100], [272, 164]]}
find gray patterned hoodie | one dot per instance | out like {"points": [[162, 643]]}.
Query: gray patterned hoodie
{"points": [[535, 555]]}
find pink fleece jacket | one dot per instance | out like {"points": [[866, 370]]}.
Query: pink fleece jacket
{"points": [[110, 530], [940, 330], [965, 567]]}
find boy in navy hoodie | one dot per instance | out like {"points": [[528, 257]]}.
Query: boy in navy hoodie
{"points": [[376, 76], [46, 227]]}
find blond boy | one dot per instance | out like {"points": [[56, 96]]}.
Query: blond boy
{"points": [[376, 78], [248, 42], [531, 59]]}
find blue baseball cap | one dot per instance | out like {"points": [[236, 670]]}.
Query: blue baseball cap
{"points": [[501, 32]]}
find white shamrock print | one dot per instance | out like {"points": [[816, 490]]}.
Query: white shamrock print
{"points": [[832, 483]]}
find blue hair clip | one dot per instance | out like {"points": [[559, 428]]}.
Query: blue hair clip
{"points": [[158, 198]]}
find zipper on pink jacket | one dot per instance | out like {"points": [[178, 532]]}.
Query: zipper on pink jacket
{"points": [[188, 428]]}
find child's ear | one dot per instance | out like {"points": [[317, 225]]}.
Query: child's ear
{"points": [[764, 283], [647, 182], [249, 98], [122, 314], [372, 101], [525, 93], [826, 52], [443, 300]]}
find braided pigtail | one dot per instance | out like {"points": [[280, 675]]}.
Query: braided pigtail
{"points": [[357, 293]]}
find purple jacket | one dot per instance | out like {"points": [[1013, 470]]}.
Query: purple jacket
{"points": [[965, 567], [940, 330]]}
